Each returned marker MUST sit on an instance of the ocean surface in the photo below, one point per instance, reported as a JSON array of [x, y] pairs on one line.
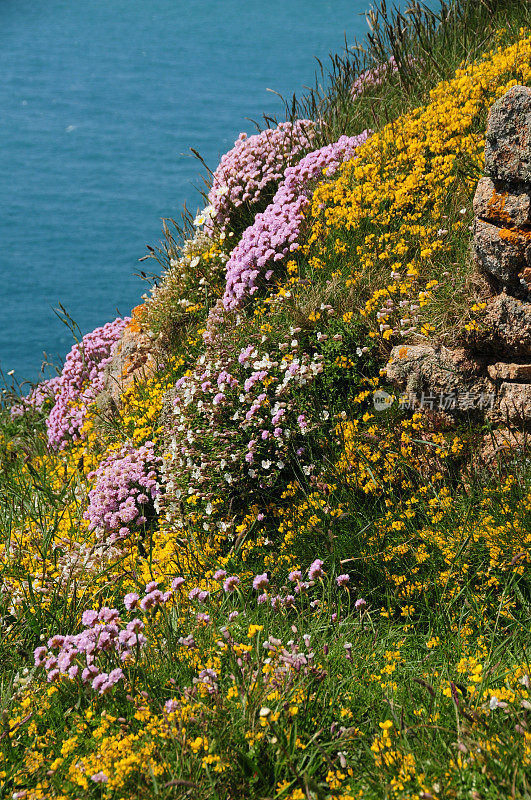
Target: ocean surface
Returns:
[[100, 102]]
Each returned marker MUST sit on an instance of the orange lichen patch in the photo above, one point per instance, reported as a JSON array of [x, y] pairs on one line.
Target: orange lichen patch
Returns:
[[496, 207], [516, 238], [137, 315]]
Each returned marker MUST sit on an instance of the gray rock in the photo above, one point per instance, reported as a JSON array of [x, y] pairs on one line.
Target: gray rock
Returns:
[[503, 203], [501, 445], [418, 369], [506, 329], [508, 139], [499, 252], [515, 402], [509, 372]]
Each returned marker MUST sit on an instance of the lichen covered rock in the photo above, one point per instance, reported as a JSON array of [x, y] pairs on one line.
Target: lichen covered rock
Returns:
[[508, 141]]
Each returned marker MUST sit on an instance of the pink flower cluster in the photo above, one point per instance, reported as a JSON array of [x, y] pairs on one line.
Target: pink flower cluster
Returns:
[[104, 639], [374, 77], [276, 232], [255, 164], [125, 490], [80, 656], [81, 380], [39, 395]]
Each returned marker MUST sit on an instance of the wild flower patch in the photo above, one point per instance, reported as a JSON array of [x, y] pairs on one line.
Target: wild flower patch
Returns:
[[247, 580], [276, 232], [396, 211]]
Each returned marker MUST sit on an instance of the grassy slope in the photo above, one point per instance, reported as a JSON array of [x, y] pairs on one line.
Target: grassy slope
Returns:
[[410, 681]]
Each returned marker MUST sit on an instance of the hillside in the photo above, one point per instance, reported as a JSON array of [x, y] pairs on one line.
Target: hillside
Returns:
[[270, 536]]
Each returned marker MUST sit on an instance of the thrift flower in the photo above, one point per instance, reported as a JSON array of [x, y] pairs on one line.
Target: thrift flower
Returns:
[[261, 582]]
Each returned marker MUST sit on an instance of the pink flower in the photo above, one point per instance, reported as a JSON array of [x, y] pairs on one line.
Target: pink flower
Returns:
[[260, 582], [131, 600], [316, 570], [39, 656], [99, 681], [342, 580], [89, 618], [231, 583]]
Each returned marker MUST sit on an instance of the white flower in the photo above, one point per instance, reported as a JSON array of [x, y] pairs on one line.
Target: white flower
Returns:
[[266, 464], [207, 213]]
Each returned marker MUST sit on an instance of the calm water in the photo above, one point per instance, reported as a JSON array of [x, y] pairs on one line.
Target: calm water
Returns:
[[100, 101]]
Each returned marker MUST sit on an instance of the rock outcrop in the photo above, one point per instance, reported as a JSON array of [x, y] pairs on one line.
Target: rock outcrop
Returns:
[[502, 203], [134, 359]]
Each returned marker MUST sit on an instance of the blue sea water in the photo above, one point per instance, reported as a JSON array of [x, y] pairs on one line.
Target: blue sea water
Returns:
[[100, 101]]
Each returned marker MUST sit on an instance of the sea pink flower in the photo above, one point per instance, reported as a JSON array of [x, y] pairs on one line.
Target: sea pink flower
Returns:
[[316, 570], [260, 581], [231, 583], [131, 600], [99, 777]]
